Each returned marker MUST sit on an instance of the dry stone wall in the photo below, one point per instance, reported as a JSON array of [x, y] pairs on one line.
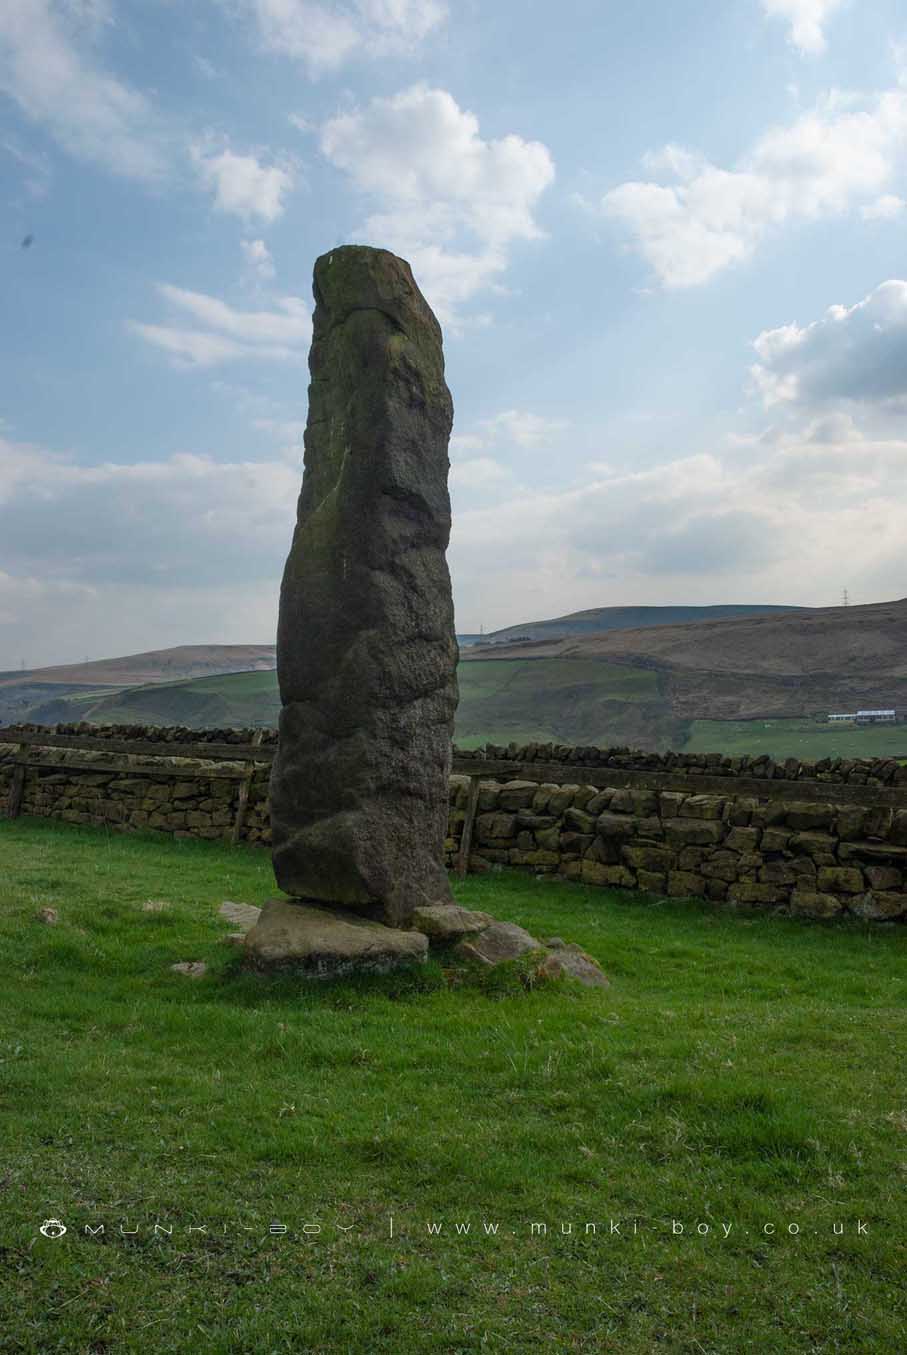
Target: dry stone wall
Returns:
[[824, 839], [183, 796], [820, 859]]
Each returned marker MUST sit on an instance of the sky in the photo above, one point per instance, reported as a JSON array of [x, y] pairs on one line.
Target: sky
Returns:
[[665, 243]]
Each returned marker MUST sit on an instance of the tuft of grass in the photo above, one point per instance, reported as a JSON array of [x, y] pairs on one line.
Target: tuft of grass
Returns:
[[741, 1069]]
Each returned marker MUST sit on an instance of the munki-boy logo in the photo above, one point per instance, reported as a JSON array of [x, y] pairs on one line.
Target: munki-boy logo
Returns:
[[444, 1228]]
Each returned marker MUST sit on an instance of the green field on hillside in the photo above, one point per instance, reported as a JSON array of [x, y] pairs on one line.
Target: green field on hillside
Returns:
[[548, 700], [741, 1072], [795, 738], [241, 700], [560, 701]]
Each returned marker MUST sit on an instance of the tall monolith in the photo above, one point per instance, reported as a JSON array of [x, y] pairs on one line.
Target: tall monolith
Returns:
[[366, 648]]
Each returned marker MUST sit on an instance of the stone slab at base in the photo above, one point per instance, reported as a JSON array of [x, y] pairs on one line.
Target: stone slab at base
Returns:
[[327, 943], [445, 923]]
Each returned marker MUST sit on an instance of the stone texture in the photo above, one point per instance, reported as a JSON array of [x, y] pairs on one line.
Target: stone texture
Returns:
[[243, 915], [366, 650], [501, 941], [570, 961], [879, 905], [841, 880], [594, 873], [326, 942], [445, 923], [694, 832], [746, 893], [813, 903], [50, 916], [192, 969], [685, 884]]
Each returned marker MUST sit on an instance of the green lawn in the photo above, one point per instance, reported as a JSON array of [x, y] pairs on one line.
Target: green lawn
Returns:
[[795, 738], [741, 1070]]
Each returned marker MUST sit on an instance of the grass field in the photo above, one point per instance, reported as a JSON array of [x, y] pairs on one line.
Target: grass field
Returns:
[[243, 700], [795, 738], [560, 701], [741, 1072]]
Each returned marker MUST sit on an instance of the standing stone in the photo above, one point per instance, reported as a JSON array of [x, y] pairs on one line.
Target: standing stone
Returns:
[[366, 649]]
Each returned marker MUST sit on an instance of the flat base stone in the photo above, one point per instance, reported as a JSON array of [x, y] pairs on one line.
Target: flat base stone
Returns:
[[444, 923], [327, 943]]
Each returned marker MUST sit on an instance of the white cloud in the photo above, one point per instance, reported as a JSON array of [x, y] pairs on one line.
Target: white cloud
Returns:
[[35, 167], [854, 355], [825, 162], [524, 428], [479, 472], [46, 70], [323, 36], [807, 19], [230, 334], [206, 67], [513, 428], [885, 208], [114, 558], [291, 324], [171, 520], [258, 259], [242, 185], [452, 203], [759, 523]]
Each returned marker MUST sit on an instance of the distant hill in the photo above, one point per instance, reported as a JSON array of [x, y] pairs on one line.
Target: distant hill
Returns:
[[754, 682], [795, 664], [157, 665], [597, 620], [228, 700]]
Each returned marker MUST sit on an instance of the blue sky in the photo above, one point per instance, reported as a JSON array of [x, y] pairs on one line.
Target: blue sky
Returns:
[[665, 242]]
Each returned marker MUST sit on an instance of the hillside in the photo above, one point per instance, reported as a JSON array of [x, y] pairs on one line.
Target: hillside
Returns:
[[228, 700], [157, 665], [597, 620], [794, 664], [750, 683]]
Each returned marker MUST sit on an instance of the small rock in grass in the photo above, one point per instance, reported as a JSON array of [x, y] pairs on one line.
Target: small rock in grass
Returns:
[[193, 969], [498, 942], [240, 914], [570, 961], [155, 906], [48, 915], [448, 922]]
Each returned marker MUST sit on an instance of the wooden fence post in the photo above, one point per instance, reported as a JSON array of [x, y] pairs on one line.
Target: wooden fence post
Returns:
[[244, 789], [17, 785], [466, 837]]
